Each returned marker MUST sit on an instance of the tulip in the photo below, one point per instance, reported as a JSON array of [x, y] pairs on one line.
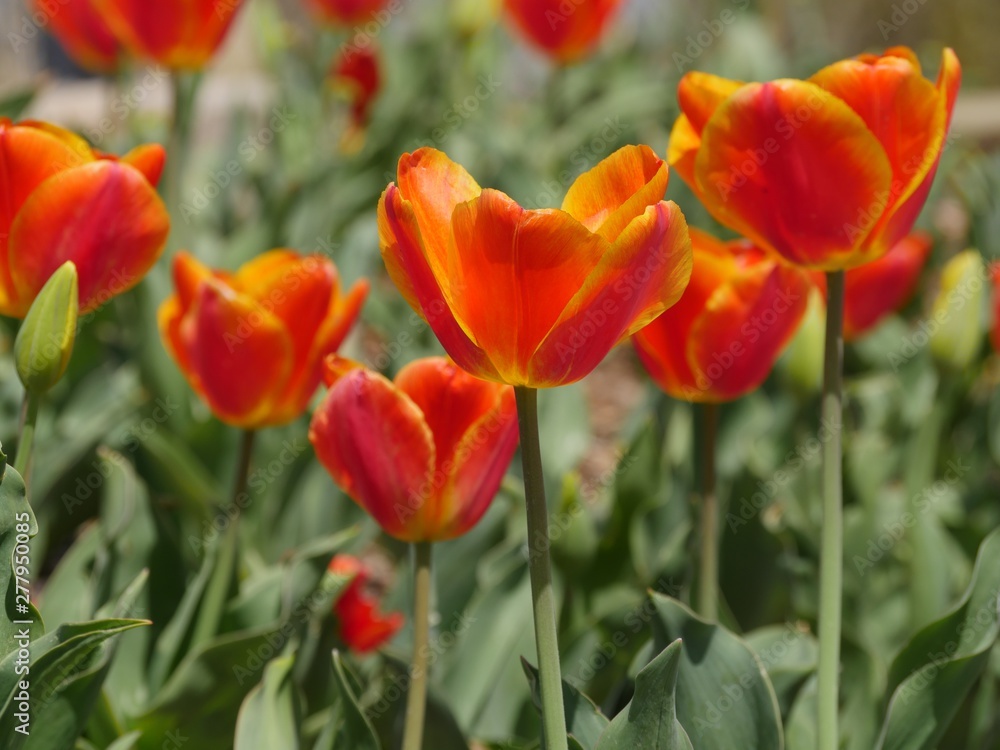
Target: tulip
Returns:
[[830, 173], [60, 200], [721, 339], [565, 30], [956, 322], [82, 32], [362, 626], [357, 73], [424, 454], [534, 298], [346, 12], [178, 35], [251, 343]]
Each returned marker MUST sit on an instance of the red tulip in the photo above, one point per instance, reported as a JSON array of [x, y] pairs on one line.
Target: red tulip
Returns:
[[346, 12], [564, 29], [82, 32], [424, 455], [362, 626], [721, 339], [179, 34], [358, 73], [61, 200], [830, 173], [251, 343], [534, 298]]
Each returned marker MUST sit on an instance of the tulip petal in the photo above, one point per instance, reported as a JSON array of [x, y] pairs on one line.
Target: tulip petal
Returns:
[[525, 266], [876, 289], [682, 151], [103, 216], [643, 274], [757, 172], [149, 159], [403, 251], [375, 443], [189, 273], [606, 198], [700, 94], [240, 354]]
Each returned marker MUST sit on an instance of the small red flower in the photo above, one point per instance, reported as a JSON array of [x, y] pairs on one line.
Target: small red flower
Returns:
[[83, 33], [564, 29], [362, 626], [358, 74]]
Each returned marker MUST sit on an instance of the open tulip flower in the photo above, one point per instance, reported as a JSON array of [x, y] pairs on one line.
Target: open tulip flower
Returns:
[[879, 288], [251, 343], [361, 625], [831, 172], [721, 339], [180, 35], [424, 454], [61, 200], [564, 30], [83, 33], [346, 12], [534, 298]]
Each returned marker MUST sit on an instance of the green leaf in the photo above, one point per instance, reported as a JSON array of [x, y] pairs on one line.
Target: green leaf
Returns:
[[353, 729], [931, 676], [788, 654], [724, 697], [649, 721], [584, 720], [270, 715], [17, 526]]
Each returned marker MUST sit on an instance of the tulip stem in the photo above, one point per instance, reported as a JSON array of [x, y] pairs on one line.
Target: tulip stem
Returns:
[[185, 86], [542, 594], [708, 579], [831, 565], [416, 699], [26, 442]]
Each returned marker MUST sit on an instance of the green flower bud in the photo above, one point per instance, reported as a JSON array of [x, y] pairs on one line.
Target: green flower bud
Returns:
[[45, 342], [958, 311]]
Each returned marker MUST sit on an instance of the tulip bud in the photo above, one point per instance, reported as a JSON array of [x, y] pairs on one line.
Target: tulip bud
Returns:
[[45, 342], [803, 359], [957, 312], [469, 17]]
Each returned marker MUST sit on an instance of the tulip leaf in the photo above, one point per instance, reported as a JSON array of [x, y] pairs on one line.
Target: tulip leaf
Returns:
[[649, 721], [584, 720], [353, 729], [724, 696], [270, 715], [931, 676], [17, 526]]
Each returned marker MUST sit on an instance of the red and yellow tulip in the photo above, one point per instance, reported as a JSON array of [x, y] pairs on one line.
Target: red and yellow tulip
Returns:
[[61, 200], [829, 173], [564, 29], [82, 32], [720, 341], [251, 343], [534, 298], [361, 625], [424, 454], [180, 35], [346, 12]]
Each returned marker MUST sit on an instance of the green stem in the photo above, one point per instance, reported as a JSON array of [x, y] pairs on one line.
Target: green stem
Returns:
[[27, 438], [832, 550], [416, 699], [184, 89], [542, 594], [708, 578]]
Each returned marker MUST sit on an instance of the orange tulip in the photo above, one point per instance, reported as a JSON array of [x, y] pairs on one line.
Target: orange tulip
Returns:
[[180, 35], [564, 29], [357, 72], [879, 288], [251, 343], [61, 200], [721, 339], [424, 455], [346, 12], [831, 172], [82, 32], [534, 298], [362, 626]]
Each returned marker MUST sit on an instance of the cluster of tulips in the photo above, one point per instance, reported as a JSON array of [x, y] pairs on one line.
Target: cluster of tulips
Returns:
[[822, 178]]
